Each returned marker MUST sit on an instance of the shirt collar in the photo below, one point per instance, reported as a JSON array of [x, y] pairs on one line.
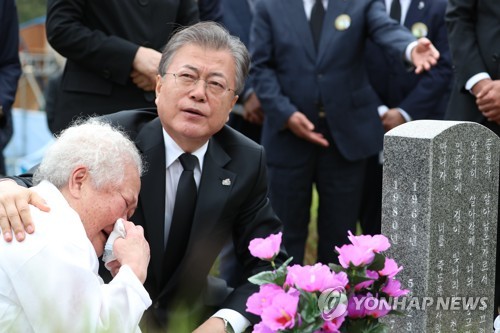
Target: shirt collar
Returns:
[[173, 151]]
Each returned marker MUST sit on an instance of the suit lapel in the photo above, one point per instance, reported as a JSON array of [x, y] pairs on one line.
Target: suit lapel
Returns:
[[215, 187], [294, 12], [150, 142], [334, 10]]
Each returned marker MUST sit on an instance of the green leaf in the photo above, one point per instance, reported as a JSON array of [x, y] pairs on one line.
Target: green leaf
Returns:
[[378, 263], [263, 278], [336, 268]]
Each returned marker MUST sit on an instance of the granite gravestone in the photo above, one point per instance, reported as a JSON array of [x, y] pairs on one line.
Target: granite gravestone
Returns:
[[439, 211]]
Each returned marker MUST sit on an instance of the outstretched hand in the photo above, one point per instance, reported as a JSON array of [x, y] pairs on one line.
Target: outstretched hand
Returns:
[[304, 128], [424, 55], [14, 209]]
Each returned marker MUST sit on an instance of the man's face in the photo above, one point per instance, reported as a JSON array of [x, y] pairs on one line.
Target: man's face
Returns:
[[101, 208], [191, 114]]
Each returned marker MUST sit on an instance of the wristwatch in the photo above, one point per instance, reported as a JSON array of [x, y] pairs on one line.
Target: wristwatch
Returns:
[[227, 326]]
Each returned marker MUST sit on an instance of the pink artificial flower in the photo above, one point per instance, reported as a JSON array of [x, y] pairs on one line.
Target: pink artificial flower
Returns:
[[377, 243], [376, 307], [355, 306], [333, 326], [281, 314], [315, 278], [393, 288], [372, 275], [390, 268], [266, 248], [261, 328], [263, 298], [355, 255]]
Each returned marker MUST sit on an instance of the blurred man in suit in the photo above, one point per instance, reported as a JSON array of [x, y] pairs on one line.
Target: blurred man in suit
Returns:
[[321, 120], [404, 95], [474, 36], [10, 71], [113, 49]]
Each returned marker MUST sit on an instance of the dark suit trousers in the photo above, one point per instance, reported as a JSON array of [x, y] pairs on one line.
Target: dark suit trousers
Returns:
[[339, 184]]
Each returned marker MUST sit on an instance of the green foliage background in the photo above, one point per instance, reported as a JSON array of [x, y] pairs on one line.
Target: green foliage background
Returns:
[[30, 9]]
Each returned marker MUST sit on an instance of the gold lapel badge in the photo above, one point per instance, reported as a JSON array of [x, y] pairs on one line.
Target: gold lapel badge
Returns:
[[226, 182], [342, 22], [419, 30]]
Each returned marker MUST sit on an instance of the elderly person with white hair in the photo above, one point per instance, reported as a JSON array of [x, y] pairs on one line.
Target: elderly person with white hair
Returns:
[[90, 177]]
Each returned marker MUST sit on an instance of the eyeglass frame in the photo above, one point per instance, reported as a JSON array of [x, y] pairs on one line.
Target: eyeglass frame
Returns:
[[225, 89]]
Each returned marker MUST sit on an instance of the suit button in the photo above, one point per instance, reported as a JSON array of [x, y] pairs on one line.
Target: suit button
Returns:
[[143, 2], [494, 57], [156, 305]]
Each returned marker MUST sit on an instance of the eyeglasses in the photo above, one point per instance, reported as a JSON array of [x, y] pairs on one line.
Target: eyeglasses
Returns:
[[215, 86]]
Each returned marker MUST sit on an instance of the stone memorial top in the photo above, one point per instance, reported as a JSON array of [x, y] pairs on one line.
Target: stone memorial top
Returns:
[[439, 211]]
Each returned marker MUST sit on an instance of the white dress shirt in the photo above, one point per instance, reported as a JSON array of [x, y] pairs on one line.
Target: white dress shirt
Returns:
[[49, 283], [309, 4]]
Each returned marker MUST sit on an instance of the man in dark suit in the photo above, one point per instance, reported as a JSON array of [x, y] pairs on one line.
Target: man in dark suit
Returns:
[[112, 49], [10, 70], [247, 116], [474, 36], [321, 120], [404, 95], [201, 71]]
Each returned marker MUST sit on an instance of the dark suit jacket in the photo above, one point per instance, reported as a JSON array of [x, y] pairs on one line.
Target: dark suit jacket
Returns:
[[100, 40], [289, 75], [425, 95], [210, 10], [10, 69], [241, 208], [474, 37]]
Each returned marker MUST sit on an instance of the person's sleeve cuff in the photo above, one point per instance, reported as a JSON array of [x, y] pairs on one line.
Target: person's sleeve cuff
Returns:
[[405, 114], [410, 48], [236, 319], [475, 79]]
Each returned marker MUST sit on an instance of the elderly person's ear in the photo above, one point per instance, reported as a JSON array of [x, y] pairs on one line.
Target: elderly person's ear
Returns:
[[78, 177]]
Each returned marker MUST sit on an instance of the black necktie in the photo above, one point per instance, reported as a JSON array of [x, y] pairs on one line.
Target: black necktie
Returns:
[[316, 21], [396, 10], [182, 217]]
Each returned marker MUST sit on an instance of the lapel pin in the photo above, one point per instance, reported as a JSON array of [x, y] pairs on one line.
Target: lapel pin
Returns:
[[421, 5], [226, 182], [419, 30], [343, 22]]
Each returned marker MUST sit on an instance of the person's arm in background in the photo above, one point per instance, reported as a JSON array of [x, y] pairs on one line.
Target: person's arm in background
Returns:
[[10, 68], [111, 56], [432, 85]]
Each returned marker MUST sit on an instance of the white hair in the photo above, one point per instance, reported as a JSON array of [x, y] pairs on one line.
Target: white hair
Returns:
[[94, 144]]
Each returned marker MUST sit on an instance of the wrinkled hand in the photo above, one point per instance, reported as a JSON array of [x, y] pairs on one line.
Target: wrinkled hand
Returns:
[[424, 55], [303, 128], [252, 112], [391, 119], [211, 325], [488, 99], [133, 250], [145, 63], [14, 209]]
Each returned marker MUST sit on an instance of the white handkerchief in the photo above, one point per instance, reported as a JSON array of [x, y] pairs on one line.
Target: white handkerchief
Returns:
[[118, 231]]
